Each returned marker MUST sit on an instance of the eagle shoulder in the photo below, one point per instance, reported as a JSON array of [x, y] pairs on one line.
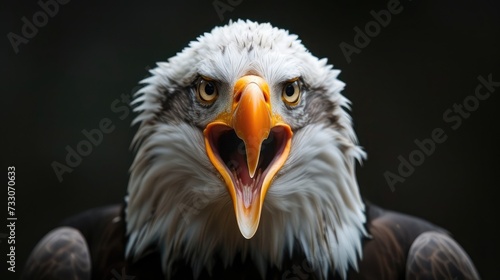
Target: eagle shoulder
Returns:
[[406, 247]]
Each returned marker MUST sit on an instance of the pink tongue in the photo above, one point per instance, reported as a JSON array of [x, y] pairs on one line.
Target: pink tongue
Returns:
[[245, 185]]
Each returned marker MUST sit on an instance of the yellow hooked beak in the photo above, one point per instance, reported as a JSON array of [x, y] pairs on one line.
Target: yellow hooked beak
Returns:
[[248, 144]]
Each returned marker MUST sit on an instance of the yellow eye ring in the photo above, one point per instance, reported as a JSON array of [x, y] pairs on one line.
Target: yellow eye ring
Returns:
[[291, 92], [207, 90]]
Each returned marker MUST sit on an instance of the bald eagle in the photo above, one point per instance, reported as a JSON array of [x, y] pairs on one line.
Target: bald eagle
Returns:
[[245, 169]]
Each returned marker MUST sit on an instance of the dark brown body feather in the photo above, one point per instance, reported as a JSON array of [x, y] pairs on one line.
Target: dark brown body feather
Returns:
[[400, 247]]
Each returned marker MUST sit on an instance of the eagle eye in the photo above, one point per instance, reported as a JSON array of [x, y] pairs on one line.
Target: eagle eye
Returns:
[[291, 92], [207, 90]]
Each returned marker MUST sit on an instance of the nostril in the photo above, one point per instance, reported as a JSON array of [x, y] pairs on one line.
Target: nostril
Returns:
[[266, 96], [237, 97]]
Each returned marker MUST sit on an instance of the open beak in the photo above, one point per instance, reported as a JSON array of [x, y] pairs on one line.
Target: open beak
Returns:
[[248, 145]]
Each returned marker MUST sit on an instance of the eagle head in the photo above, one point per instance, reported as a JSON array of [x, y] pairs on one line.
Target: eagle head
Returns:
[[245, 147]]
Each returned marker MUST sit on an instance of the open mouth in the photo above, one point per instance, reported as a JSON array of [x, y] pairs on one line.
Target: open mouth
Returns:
[[248, 143], [231, 153]]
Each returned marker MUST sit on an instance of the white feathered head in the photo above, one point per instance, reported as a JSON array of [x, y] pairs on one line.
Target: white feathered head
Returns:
[[245, 147]]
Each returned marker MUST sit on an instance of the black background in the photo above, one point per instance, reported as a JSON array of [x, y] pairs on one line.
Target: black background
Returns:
[[90, 53]]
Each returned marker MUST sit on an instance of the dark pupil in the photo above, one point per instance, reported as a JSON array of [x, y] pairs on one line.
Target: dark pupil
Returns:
[[289, 90], [209, 89]]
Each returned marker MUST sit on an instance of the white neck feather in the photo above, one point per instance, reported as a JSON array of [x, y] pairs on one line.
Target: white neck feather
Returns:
[[178, 203]]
